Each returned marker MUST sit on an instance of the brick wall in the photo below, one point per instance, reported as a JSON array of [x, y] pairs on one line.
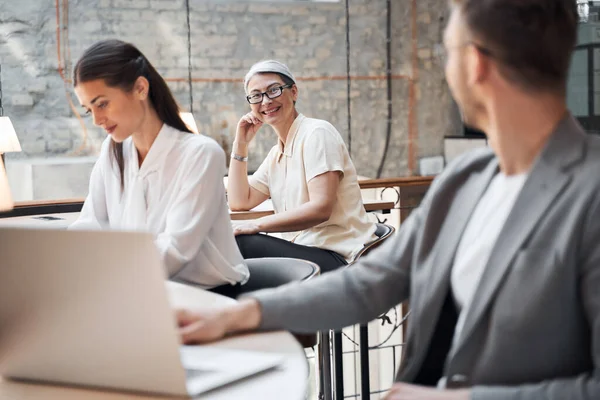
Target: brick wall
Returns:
[[227, 38]]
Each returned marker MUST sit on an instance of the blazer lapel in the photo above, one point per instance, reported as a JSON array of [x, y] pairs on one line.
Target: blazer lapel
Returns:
[[545, 182]]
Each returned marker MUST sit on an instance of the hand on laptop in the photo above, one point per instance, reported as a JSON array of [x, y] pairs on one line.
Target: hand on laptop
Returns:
[[210, 325]]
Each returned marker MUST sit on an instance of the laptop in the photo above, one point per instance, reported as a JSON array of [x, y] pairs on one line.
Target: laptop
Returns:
[[91, 308]]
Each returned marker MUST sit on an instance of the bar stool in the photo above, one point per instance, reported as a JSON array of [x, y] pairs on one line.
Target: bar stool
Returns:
[[271, 272], [382, 231]]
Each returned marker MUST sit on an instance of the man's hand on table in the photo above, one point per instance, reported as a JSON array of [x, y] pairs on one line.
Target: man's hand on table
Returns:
[[210, 325]]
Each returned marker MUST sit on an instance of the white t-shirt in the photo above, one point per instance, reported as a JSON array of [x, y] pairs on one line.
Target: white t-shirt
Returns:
[[479, 238], [178, 195], [314, 147]]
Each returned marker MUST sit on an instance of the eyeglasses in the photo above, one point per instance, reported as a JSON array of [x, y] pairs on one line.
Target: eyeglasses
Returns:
[[441, 53], [272, 93]]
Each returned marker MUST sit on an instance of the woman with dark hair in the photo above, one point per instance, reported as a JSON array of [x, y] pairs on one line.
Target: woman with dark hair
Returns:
[[308, 175], [153, 174]]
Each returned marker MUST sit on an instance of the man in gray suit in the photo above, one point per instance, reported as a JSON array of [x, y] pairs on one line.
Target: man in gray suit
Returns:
[[501, 261]]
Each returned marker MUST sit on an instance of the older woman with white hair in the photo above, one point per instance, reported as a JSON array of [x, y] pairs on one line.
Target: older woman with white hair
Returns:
[[308, 175]]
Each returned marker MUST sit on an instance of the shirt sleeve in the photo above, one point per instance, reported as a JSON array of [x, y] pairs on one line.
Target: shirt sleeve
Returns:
[[349, 296], [94, 214], [259, 180], [194, 209], [323, 152]]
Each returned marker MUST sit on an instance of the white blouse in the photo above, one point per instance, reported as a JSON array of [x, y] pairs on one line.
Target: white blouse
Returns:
[[314, 147], [178, 195]]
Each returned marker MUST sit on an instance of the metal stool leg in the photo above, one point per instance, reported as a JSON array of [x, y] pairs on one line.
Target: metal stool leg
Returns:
[[365, 384], [325, 392], [338, 366]]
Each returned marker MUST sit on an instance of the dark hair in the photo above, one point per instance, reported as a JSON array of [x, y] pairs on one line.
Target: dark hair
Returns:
[[286, 81], [532, 40], [120, 64]]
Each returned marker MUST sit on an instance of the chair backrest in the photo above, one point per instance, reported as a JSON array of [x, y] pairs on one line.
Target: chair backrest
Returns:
[[272, 272], [382, 231]]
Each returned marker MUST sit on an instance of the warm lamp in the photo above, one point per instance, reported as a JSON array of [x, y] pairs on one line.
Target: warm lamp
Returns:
[[8, 137], [188, 119], [6, 202]]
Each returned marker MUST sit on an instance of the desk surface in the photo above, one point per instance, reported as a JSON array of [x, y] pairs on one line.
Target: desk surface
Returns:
[[266, 208], [63, 220], [291, 378], [51, 221]]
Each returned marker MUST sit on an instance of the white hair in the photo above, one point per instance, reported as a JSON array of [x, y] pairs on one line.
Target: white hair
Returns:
[[267, 66]]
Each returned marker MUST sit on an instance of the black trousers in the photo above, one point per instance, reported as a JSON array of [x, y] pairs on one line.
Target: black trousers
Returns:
[[259, 245]]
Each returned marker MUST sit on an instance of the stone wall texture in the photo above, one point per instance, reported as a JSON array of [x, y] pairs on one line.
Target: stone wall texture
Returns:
[[39, 39]]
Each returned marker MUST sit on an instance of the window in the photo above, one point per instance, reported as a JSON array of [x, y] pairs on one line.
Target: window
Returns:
[[577, 88], [583, 87]]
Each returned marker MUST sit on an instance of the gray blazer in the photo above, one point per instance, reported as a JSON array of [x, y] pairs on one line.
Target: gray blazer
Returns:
[[533, 330]]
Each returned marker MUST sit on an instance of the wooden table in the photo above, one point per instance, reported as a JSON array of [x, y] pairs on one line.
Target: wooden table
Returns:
[[62, 220], [266, 208], [290, 378]]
